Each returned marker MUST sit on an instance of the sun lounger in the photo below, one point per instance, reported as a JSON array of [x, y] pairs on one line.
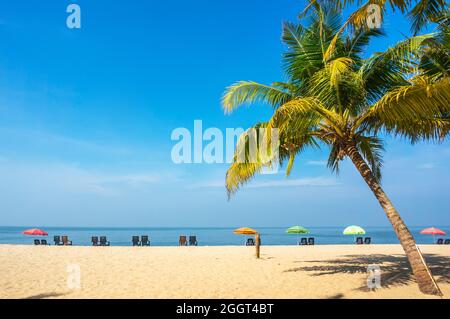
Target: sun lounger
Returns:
[[37, 242], [44, 242], [66, 241], [440, 241], [145, 241], [104, 241], [303, 242], [250, 242], [193, 241], [447, 242], [57, 240], [359, 241], [367, 240], [311, 241], [135, 240], [95, 241], [182, 241]]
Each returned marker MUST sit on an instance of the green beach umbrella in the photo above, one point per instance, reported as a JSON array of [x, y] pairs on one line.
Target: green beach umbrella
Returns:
[[297, 230]]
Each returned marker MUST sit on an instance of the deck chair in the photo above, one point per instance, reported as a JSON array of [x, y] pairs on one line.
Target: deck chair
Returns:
[[182, 241], [447, 242], [57, 240], [145, 241], [135, 240], [359, 241], [95, 241], [44, 242], [193, 241], [66, 241], [303, 241], [311, 241], [250, 242], [104, 241], [367, 240], [37, 242], [440, 241]]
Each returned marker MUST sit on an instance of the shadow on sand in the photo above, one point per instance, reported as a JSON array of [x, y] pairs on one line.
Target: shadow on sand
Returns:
[[395, 269], [46, 295]]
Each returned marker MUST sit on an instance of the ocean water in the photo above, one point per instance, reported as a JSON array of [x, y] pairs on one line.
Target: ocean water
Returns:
[[208, 236]]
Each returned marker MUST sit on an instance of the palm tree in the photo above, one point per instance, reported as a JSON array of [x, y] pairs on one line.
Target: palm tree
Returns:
[[349, 103]]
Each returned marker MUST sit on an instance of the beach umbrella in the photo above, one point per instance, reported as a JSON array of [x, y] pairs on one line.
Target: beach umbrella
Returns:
[[354, 230], [297, 230], [433, 231], [250, 231], [245, 231], [35, 232]]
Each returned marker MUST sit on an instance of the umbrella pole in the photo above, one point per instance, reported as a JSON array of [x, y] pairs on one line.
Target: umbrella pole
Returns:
[[257, 239]]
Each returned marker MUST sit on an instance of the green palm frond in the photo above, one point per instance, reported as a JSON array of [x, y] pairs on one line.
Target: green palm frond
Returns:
[[426, 11], [245, 165], [240, 173], [339, 86], [336, 156], [384, 71], [303, 113], [379, 75], [305, 55], [356, 43], [416, 111], [248, 92], [408, 49], [435, 61], [371, 148], [249, 159]]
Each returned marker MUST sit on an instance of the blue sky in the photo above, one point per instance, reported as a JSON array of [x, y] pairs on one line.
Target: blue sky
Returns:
[[86, 117]]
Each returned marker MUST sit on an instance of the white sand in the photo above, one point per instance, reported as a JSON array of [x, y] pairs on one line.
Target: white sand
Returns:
[[214, 272]]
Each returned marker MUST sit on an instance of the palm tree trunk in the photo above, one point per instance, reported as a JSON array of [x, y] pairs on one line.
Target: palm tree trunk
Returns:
[[425, 279]]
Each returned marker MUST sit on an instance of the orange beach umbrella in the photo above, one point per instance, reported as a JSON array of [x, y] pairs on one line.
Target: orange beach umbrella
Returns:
[[245, 231]]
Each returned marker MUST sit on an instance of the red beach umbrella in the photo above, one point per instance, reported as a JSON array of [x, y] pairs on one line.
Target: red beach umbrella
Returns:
[[35, 232], [433, 231]]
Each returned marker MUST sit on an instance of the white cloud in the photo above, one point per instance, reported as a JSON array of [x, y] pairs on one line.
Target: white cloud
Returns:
[[427, 166], [299, 182], [132, 179], [64, 178], [317, 163], [208, 184], [58, 141]]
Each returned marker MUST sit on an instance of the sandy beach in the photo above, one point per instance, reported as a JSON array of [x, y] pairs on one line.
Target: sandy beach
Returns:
[[214, 272]]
